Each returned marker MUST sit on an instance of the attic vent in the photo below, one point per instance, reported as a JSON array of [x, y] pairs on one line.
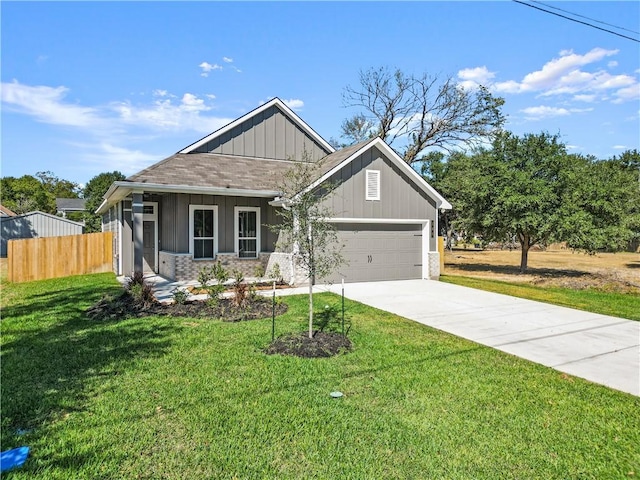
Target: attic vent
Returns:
[[373, 185]]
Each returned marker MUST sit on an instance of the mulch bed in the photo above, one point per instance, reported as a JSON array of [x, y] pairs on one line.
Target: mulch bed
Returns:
[[124, 306], [323, 344]]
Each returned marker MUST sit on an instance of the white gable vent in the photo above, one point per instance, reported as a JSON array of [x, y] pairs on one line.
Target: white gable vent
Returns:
[[373, 184]]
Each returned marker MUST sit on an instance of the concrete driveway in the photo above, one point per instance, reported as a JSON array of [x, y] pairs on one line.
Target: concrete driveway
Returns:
[[600, 348]]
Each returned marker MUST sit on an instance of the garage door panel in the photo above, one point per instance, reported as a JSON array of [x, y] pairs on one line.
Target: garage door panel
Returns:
[[379, 252]]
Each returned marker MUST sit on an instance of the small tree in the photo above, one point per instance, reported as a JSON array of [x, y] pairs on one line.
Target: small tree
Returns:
[[304, 229]]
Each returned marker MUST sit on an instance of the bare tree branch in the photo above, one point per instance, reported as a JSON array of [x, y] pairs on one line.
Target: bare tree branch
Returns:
[[421, 112]]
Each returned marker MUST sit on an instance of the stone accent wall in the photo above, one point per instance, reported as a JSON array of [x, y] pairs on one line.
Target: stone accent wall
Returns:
[[182, 266], [283, 260], [434, 265]]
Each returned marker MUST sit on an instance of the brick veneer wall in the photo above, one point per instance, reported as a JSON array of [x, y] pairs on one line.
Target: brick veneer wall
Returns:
[[182, 266]]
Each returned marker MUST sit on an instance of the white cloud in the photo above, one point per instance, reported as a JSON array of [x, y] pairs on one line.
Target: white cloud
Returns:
[[472, 78], [584, 98], [114, 157], [47, 105], [294, 103], [166, 114], [210, 96], [619, 147], [227, 59], [564, 75], [208, 67], [628, 94], [160, 93], [543, 111], [555, 70]]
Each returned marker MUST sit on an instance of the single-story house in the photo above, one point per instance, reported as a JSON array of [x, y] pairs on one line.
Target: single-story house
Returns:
[[70, 205], [213, 200], [36, 224]]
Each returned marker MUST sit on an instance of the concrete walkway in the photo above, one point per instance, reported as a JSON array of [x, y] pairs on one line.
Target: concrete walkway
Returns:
[[599, 348]]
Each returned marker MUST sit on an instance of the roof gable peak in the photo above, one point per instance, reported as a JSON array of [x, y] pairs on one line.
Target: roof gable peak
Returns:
[[274, 102]]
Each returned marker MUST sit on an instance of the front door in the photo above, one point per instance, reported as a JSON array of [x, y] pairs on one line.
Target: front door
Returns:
[[149, 245], [150, 237]]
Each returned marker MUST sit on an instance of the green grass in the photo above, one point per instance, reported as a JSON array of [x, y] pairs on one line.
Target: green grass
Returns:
[[185, 398], [623, 305]]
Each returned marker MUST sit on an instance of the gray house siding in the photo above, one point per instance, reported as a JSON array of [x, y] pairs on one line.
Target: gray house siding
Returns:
[[269, 134], [174, 220], [400, 198], [36, 224]]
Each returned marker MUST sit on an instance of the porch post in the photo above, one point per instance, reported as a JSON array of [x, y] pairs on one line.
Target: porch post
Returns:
[[136, 215]]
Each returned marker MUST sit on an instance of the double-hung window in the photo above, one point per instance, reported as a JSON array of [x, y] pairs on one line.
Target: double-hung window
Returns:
[[203, 230], [247, 231]]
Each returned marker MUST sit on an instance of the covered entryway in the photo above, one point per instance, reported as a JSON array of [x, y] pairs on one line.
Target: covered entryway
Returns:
[[375, 252]]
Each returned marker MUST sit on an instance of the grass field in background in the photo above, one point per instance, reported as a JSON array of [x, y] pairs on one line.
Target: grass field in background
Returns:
[[622, 305], [186, 398]]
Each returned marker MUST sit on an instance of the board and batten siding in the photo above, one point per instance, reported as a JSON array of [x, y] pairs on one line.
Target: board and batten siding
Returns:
[[400, 198], [269, 134], [174, 220], [35, 225]]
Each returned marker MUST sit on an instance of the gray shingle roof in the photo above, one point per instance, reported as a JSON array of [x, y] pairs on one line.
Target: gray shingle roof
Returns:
[[214, 170], [69, 204], [228, 171]]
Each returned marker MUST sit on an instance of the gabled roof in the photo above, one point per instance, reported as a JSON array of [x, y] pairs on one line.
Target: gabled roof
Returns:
[[334, 162], [216, 174], [271, 103]]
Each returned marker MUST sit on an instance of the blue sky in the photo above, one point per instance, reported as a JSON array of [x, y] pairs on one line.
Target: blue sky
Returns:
[[94, 87]]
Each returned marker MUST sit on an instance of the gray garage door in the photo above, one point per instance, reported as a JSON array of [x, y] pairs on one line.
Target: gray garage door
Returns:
[[379, 252]]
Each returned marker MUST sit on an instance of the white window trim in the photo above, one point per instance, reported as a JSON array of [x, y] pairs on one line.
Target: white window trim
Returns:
[[236, 228], [376, 176], [192, 208]]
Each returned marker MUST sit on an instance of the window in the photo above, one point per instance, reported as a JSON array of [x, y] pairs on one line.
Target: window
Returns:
[[148, 209], [373, 184], [203, 230], [247, 227]]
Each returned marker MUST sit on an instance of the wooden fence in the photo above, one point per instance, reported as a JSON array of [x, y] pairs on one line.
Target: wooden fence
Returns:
[[54, 257]]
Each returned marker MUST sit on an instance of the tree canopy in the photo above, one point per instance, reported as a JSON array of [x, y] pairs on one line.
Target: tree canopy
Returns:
[[28, 193], [93, 193], [414, 113], [531, 188]]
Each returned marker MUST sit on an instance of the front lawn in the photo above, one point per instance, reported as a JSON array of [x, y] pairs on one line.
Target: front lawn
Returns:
[[197, 398]]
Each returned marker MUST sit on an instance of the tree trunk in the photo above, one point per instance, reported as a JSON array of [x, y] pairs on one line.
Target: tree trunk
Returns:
[[312, 275], [524, 248], [310, 308]]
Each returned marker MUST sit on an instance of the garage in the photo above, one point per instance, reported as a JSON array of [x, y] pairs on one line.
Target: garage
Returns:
[[375, 252]]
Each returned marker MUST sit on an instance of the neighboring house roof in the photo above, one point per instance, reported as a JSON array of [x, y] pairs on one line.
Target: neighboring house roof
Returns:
[[37, 212], [5, 212], [70, 204], [274, 102]]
